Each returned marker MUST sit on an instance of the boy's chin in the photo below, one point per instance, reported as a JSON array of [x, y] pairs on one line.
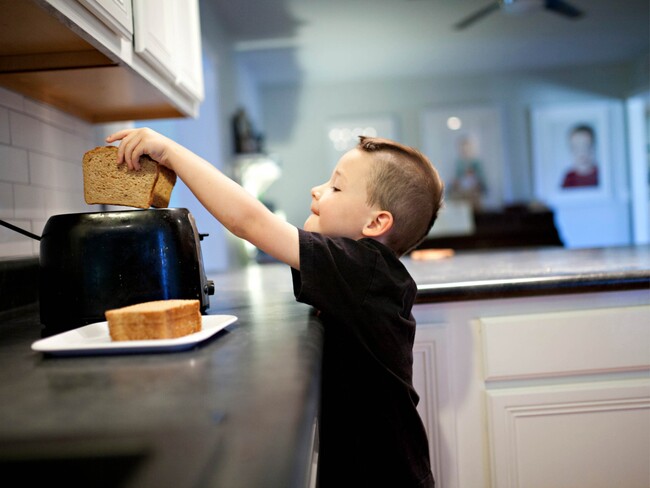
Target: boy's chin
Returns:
[[310, 224]]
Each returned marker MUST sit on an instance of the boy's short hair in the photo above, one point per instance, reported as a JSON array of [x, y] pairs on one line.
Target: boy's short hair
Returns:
[[405, 183]]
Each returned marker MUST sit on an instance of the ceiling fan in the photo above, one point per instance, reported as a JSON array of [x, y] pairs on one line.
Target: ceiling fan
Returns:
[[559, 7]]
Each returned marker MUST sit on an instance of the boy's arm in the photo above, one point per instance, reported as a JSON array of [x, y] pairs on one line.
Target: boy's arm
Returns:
[[241, 213]]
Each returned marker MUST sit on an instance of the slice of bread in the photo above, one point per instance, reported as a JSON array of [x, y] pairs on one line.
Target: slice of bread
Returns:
[[107, 183], [159, 319]]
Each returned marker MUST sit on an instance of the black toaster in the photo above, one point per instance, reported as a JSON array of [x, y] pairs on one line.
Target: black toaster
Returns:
[[93, 262]]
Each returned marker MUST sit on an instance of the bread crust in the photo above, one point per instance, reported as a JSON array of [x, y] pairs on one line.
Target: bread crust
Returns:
[[158, 319], [107, 183], [162, 191]]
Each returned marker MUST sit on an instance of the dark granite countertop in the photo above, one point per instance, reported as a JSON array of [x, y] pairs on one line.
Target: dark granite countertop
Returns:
[[236, 411], [475, 275]]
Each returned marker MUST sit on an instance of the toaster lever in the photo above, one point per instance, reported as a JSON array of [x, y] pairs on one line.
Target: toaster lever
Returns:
[[208, 289], [201, 236]]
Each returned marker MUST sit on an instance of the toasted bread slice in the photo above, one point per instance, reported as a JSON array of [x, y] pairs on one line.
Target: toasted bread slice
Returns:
[[162, 192], [159, 319], [107, 183]]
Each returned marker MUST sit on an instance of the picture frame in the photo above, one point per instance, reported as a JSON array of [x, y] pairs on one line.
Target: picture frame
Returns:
[[572, 150], [456, 138]]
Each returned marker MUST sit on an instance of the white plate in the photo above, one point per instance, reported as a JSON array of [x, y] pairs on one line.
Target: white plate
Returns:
[[94, 339]]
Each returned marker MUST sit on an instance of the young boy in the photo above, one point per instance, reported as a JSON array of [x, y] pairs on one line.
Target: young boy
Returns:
[[379, 203]]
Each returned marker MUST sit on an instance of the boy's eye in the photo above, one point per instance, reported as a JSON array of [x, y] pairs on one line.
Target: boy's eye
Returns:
[[335, 189]]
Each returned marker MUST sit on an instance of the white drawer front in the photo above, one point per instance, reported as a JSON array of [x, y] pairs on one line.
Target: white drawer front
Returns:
[[566, 343]]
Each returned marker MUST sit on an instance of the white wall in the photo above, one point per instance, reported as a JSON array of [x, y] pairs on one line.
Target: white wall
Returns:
[[41, 150], [295, 117], [638, 118]]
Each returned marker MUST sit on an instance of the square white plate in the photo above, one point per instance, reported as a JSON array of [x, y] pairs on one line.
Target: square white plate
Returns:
[[94, 339]]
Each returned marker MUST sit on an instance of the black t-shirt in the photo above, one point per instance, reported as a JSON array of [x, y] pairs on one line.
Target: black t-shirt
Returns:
[[370, 432]]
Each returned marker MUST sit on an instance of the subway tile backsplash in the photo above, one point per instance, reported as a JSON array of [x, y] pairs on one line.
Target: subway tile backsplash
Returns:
[[5, 137], [40, 168], [13, 164]]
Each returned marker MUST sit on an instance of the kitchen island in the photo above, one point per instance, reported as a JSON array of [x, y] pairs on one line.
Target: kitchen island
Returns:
[[240, 409], [533, 367]]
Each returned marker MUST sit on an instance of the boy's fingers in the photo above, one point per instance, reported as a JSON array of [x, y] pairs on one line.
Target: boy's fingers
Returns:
[[118, 135], [125, 149], [131, 147], [134, 147], [138, 150], [120, 154]]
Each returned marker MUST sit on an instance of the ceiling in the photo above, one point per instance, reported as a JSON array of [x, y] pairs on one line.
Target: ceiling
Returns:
[[335, 40]]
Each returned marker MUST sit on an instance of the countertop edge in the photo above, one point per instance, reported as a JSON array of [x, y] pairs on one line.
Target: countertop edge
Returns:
[[532, 286]]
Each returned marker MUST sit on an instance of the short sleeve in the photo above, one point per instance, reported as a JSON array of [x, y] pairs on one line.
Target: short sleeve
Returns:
[[335, 273]]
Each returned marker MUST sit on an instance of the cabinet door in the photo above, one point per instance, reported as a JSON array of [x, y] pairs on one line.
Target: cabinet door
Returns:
[[188, 48], [116, 14], [548, 423], [154, 34], [431, 382], [168, 36], [594, 434]]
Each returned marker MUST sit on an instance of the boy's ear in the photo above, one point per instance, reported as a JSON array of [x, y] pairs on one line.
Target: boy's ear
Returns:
[[379, 225]]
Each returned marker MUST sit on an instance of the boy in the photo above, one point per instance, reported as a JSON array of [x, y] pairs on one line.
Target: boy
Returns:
[[379, 203]]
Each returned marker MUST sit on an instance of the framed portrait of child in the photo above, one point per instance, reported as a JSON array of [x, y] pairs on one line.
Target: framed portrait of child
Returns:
[[574, 151]]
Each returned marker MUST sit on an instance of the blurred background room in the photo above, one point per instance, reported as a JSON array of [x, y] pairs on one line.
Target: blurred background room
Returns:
[[491, 92]]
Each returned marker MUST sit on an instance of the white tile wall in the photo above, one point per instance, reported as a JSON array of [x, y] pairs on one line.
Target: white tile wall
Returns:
[[40, 167], [6, 201], [4, 126]]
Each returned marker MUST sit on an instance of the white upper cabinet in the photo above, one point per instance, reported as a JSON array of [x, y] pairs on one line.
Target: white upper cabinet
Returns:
[[105, 60], [116, 14], [154, 34], [168, 35], [188, 61]]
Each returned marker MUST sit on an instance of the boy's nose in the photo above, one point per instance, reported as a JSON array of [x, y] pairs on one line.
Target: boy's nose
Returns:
[[315, 192]]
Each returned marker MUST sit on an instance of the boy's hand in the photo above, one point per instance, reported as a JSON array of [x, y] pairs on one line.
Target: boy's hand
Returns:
[[136, 142], [239, 211]]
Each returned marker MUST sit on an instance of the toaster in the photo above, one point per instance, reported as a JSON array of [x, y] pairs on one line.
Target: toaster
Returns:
[[93, 262]]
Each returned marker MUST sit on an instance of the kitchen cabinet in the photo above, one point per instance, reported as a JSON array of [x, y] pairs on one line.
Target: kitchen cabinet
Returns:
[[533, 367], [167, 35], [540, 391], [154, 40], [430, 380], [117, 14], [586, 424], [189, 62], [105, 60]]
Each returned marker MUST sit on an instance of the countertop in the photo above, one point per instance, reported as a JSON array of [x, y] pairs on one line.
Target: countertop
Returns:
[[473, 275], [237, 410]]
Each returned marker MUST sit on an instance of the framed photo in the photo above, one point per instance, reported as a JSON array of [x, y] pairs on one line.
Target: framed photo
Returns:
[[465, 144], [572, 152]]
